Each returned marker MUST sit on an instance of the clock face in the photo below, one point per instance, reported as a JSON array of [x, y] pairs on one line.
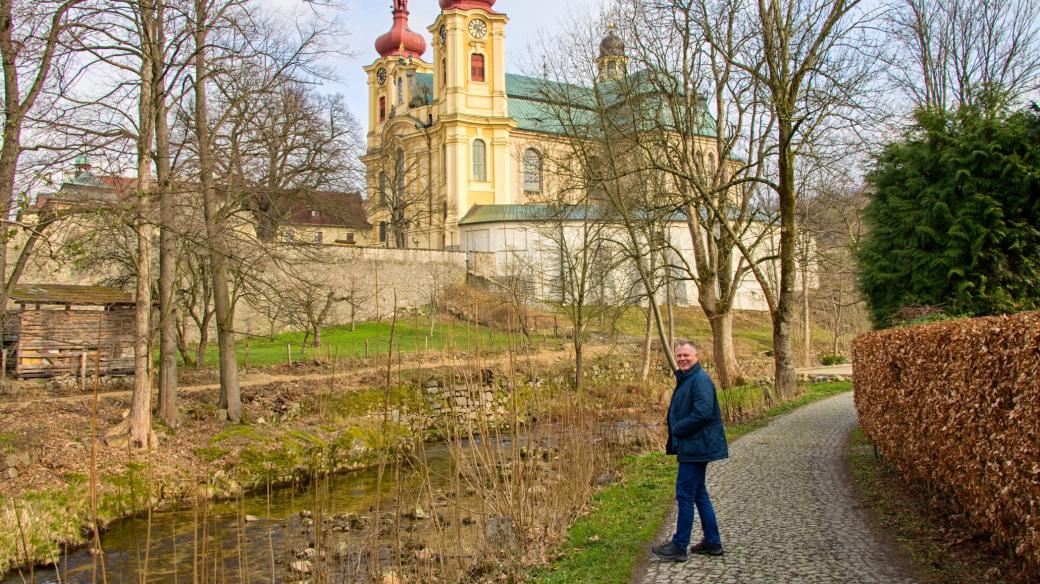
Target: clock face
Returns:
[[381, 76], [478, 29], [444, 34]]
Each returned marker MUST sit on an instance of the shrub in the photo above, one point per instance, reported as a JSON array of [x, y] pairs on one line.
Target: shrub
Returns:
[[956, 405], [954, 217], [833, 360]]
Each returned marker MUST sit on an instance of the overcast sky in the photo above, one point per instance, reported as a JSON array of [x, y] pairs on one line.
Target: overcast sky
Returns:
[[365, 20]]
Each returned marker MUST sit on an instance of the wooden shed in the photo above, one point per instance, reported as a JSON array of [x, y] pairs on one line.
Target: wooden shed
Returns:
[[61, 330]]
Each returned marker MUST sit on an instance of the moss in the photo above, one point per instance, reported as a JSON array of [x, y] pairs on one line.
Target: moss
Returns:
[[241, 432], [211, 453]]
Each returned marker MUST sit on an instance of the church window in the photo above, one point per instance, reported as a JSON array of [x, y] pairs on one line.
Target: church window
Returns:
[[382, 108], [479, 160], [400, 90], [382, 232], [612, 69], [476, 67], [532, 171], [444, 72], [318, 237], [711, 164], [399, 172], [382, 189]]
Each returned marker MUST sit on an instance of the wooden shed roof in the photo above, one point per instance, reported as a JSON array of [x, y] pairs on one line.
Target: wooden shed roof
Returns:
[[68, 294]]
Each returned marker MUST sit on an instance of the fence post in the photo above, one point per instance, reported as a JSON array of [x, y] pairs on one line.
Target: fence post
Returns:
[[288, 353], [83, 371]]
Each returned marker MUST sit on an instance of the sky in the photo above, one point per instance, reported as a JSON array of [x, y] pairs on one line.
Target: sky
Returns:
[[365, 20]]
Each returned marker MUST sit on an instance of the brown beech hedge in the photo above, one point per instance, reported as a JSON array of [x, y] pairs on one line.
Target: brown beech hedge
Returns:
[[957, 405]]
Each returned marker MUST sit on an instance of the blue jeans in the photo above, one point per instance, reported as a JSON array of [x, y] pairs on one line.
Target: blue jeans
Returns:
[[689, 491]]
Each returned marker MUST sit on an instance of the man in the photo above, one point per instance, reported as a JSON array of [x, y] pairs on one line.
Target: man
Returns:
[[696, 437]]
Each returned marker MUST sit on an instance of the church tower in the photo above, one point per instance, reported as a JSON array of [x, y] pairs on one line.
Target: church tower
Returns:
[[470, 94], [612, 63]]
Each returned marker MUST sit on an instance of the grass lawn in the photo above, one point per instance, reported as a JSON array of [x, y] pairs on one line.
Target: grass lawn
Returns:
[[605, 546], [343, 343]]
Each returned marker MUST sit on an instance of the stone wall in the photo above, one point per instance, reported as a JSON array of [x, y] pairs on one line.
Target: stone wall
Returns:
[[374, 275]]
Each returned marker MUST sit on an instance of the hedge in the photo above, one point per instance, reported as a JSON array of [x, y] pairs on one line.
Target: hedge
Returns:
[[957, 404]]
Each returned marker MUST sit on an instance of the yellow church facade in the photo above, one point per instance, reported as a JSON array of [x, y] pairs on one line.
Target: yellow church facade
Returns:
[[451, 132]]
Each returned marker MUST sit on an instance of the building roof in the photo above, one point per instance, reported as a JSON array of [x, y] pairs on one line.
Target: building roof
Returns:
[[539, 212], [329, 208], [68, 294], [541, 105]]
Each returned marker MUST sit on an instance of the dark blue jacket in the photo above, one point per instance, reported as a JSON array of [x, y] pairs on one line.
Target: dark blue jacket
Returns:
[[695, 432]]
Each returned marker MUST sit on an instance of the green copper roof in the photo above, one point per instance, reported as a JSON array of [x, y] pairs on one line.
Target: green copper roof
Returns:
[[540, 212]]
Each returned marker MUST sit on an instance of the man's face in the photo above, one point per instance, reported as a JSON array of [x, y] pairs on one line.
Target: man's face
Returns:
[[685, 357]]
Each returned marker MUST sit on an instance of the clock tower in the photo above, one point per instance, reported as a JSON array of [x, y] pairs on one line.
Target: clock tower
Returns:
[[470, 94]]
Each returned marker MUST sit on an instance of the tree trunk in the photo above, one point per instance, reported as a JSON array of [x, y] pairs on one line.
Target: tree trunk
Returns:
[[726, 367], [579, 363], [647, 343], [806, 324], [230, 396], [182, 345], [167, 407], [140, 421], [783, 355]]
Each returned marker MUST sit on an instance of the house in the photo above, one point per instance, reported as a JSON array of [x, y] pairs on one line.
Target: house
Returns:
[[327, 218]]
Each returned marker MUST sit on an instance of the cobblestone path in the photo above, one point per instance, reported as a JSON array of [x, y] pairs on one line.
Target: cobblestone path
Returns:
[[786, 510]]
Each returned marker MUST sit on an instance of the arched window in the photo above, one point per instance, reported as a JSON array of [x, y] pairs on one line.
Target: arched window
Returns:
[[479, 160], [476, 67], [400, 90], [382, 108], [399, 172], [444, 73], [532, 171], [382, 189], [711, 164]]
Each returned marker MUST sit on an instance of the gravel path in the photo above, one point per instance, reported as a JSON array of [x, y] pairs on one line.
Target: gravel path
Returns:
[[787, 511]]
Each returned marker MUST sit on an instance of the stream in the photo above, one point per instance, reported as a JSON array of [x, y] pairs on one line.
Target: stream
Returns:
[[259, 538]]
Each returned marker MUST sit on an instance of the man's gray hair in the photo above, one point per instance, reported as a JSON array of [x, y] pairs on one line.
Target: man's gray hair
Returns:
[[687, 342]]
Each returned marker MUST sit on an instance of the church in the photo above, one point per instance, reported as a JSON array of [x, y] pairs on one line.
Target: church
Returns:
[[454, 131], [458, 150]]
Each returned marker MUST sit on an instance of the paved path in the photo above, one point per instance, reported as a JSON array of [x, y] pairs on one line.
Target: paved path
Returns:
[[787, 511]]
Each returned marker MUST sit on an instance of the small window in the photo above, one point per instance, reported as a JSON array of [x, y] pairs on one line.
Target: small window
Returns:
[[318, 237], [314, 213], [532, 171], [382, 108], [350, 238], [400, 90], [382, 232], [476, 67], [711, 164], [479, 161], [444, 73], [290, 237]]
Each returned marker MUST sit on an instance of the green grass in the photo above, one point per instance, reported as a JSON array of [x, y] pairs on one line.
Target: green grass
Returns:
[[605, 546], [342, 343]]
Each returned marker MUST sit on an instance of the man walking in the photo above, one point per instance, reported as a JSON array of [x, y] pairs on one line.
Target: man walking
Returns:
[[696, 437]]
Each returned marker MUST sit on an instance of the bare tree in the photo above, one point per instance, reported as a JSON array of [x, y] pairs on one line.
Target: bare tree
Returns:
[[403, 188], [950, 52]]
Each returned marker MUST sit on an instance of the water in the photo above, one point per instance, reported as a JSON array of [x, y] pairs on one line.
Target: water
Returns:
[[215, 544]]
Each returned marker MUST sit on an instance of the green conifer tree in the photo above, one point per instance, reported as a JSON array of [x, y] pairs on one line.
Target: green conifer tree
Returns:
[[955, 216]]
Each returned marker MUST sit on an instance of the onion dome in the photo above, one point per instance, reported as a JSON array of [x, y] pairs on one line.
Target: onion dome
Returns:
[[484, 5], [611, 45], [401, 40]]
